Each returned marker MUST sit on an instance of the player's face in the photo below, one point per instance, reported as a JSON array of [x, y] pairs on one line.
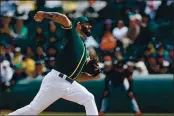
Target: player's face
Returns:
[[86, 29], [87, 26]]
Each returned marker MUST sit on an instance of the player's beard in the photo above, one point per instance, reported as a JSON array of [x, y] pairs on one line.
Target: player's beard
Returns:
[[85, 31]]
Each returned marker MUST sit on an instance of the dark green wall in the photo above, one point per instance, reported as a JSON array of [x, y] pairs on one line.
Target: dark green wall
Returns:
[[154, 93]]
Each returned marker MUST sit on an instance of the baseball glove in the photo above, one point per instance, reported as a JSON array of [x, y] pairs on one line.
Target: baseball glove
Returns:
[[92, 68]]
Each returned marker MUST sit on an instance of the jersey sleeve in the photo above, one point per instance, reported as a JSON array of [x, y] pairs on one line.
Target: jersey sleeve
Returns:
[[70, 33]]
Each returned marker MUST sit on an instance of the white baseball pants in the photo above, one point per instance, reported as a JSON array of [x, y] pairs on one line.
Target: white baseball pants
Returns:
[[52, 88]]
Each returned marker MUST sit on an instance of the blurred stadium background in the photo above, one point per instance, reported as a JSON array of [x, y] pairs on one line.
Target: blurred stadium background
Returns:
[[139, 33]]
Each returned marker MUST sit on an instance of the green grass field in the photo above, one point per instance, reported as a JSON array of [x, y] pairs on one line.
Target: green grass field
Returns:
[[4, 112]]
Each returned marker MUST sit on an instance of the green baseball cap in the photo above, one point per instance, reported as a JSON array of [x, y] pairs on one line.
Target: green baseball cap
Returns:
[[81, 20]]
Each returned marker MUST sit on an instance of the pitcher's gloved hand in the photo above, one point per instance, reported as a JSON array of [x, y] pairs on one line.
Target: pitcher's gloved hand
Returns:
[[92, 67]]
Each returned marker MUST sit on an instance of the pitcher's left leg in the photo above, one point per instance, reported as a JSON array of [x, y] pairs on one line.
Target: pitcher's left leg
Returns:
[[79, 94]]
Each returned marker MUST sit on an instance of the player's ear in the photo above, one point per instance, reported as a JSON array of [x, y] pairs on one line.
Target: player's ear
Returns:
[[78, 26]]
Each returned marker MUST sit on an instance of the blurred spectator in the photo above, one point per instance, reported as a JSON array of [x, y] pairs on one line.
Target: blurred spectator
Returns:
[[40, 68], [8, 8], [3, 51], [147, 52], [50, 63], [171, 61], [145, 20], [138, 18], [151, 7], [53, 4], [118, 54], [162, 51], [1, 60], [54, 32], [108, 42], [40, 54], [140, 58], [152, 49], [104, 60], [163, 64], [125, 16], [54, 36], [17, 60], [90, 11], [28, 66], [140, 69], [29, 52], [155, 69], [107, 58], [6, 72], [107, 25], [5, 27], [148, 23], [120, 31], [25, 5], [152, 66], [18, 74], [165, 68], [10, 52], [23, 8], [51, 51], [171, 55], [19, 31], [107, 66], [144, 35], [133, 29], [40, 38], [52, 39], [77, 9]]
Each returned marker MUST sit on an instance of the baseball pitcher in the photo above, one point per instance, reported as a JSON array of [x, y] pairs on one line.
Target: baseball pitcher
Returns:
[[60, 82]]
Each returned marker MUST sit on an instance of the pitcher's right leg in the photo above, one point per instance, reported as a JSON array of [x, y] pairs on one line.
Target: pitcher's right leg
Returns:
[[45, 97]]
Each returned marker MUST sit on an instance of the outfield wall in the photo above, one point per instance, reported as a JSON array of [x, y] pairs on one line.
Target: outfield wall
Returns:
[[154, 93]]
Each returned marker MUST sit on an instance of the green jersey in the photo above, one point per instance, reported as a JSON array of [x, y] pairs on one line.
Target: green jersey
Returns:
[[73, 56]]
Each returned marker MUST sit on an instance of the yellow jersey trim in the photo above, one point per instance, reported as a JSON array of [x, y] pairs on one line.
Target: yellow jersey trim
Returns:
[[79, 71], [78, 63]]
